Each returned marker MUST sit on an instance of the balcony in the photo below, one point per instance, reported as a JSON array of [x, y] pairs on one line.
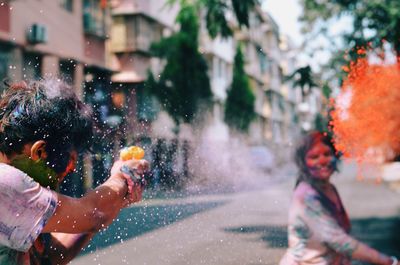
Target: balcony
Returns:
[[92, 25], [135, 33]]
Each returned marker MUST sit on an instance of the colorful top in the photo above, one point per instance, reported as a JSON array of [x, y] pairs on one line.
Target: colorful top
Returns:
[[25, 208], [318, 229]]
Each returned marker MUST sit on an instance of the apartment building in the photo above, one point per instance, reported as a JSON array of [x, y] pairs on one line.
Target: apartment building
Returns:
[[35, 41], [102, 48], [291, 94], [268, 59], [219, 54], [262, 52], [39, 43], [136, 24], [62, 39], [52, 38]]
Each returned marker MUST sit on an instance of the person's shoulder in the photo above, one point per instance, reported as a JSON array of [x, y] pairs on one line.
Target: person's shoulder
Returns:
[[8, 170], [305, 191], [11, 176]]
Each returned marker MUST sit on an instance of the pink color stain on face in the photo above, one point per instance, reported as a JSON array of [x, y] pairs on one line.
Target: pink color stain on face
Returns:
[[319, 161]]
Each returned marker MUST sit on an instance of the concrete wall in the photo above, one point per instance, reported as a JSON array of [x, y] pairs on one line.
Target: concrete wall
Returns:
[[153, 8], [65, 32], [94, 50], [4, 17]]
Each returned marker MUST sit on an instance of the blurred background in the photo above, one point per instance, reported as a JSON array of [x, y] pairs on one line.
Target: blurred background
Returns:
[[114, 54]]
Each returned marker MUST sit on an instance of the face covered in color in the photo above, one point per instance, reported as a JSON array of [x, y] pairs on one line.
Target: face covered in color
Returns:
[[320, 161]]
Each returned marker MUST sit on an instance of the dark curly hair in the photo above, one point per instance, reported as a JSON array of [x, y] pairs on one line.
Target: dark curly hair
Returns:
[[45, 110], [305, 145]]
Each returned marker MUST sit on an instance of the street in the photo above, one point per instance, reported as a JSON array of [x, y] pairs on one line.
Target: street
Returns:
[[240, 228]]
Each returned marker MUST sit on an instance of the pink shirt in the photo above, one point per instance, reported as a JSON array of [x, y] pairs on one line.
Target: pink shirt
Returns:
[[318, 230]]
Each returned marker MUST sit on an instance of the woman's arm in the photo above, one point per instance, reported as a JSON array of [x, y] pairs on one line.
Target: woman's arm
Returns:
[[368, 254], [325, 228]]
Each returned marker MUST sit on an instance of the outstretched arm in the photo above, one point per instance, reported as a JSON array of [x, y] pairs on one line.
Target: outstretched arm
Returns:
[[90, 213], [97, 208], [368, 254], [326, 228]]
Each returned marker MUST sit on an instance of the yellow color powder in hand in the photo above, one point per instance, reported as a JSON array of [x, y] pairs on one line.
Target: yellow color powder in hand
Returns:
[[132, 152]]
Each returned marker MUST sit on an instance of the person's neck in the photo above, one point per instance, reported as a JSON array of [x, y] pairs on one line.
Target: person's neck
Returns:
[[4, 159], [321, 184]]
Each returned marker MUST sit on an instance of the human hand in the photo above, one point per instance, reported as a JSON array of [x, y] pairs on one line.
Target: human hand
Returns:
[[394, 260], [132, 171], [132, 166], [386, 260], [134, 194]]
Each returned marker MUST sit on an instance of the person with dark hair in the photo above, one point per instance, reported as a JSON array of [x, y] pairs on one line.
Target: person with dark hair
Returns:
[[43, 128], [319, 226]]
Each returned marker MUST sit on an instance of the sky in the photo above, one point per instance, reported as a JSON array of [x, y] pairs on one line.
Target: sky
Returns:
[[286, 13]]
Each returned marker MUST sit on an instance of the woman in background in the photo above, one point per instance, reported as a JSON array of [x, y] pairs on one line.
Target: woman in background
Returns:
[[319, 226]]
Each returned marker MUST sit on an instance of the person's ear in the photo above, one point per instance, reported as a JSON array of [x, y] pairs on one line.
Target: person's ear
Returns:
[[38, 150]]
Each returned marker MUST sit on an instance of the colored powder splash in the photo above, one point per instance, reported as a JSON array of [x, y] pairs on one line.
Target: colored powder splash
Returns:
[[366, 116]]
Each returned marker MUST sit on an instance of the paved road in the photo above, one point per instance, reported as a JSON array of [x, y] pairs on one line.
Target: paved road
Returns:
[[243, 228]]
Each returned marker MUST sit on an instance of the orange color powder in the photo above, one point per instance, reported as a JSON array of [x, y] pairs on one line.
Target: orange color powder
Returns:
[[366, 116]]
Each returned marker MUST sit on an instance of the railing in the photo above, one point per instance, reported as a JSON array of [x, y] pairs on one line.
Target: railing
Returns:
[[94, 26]]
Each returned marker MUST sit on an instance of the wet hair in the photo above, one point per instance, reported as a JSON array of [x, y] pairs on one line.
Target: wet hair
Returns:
[[304, 146], [46, 110]]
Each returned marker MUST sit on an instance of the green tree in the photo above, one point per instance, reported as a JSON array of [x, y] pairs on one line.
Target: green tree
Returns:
[[374, 22], [303, 78], [183, 85], [239, 106], [216, 11]]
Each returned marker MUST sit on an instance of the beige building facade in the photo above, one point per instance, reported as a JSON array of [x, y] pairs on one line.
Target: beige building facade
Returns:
[[63, 39], [49, 39], [138, 23], [268, 61], [103, 48]]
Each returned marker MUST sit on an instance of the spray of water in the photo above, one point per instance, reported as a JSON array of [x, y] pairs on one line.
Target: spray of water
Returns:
[[226, 164]]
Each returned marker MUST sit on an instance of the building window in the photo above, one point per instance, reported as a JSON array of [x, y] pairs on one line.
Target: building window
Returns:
[[67, 5], [147, 107], [5, 57], [144, 33], [277, 132], [262, 58], [32, 66], [94, 18], [67, 71], [118, 34], [220, 66]]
